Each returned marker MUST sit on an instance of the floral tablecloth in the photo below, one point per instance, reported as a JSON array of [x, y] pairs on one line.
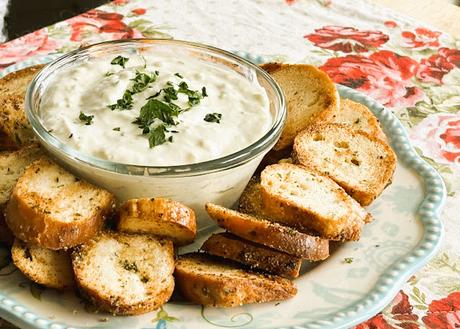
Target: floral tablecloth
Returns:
[[410, 68]]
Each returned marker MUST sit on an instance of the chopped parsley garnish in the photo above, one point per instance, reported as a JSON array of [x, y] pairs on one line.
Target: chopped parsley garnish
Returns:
[[71, 135], [141, 82], [108, 74], [155, 109], [213, 117], [348, 260], [87, 119], [158, 114], [124, 103], [119, 60], [194, 96], [157, 136]]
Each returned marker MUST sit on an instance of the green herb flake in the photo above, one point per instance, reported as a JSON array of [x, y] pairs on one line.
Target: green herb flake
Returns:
[[108, 74], [348, 260], [204, 92], [116, 129], [124, 103], [71, 135], [178, 75], [142, 80], [119, 60], [87, 119], [155, 109], [157, 136], [213, 117]]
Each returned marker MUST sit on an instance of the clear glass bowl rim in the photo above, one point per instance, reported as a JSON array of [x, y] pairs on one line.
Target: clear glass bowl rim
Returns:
[[223, 163]]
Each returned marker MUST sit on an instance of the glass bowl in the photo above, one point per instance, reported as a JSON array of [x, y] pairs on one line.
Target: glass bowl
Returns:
[[220, 180]]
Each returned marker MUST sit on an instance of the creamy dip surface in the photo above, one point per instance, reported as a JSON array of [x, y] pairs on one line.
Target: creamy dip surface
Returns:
[[76, 108]]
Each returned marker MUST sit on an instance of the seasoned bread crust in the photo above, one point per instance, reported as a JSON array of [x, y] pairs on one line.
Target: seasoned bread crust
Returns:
[[255, 256], [125, 274], [12, 166], [158, 216], [15, 130], [309, 92], [53, 209], [250, 201], [361, 164], [51, 268], [357, 116], [307, 200], [206, 280], [270, 234]]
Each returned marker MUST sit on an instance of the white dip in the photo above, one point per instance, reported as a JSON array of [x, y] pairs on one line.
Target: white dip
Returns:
[[90, 87]]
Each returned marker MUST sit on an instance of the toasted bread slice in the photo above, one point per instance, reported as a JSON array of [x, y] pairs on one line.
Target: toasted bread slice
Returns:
[[53, 209], [206, 280], [12, 166], [308, 200], [51, 268], [357, 116], [362, 164], [15, 130], [253, 255], [125, 274], [309, 92], [269, 234], [158, 216]]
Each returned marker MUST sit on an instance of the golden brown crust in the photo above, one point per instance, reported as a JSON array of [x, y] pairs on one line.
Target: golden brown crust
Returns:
[[290, 213], [51, 268], [255, 256], [363, 118], [15, 129], [225, 285], [385, 165], [270, 234], [250, 201], [158, 216], [114, 303], [309, 92], [29, 218]]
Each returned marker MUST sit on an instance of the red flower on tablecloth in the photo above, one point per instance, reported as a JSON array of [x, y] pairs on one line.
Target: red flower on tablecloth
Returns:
[[24, 47], [390, 24], [98, 21], [377, 322], [438, 135], [384, 75], [433, 68], [346, 39], [120, 2], [421, 39], [401, 313], [139, 11], [444, 313]]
